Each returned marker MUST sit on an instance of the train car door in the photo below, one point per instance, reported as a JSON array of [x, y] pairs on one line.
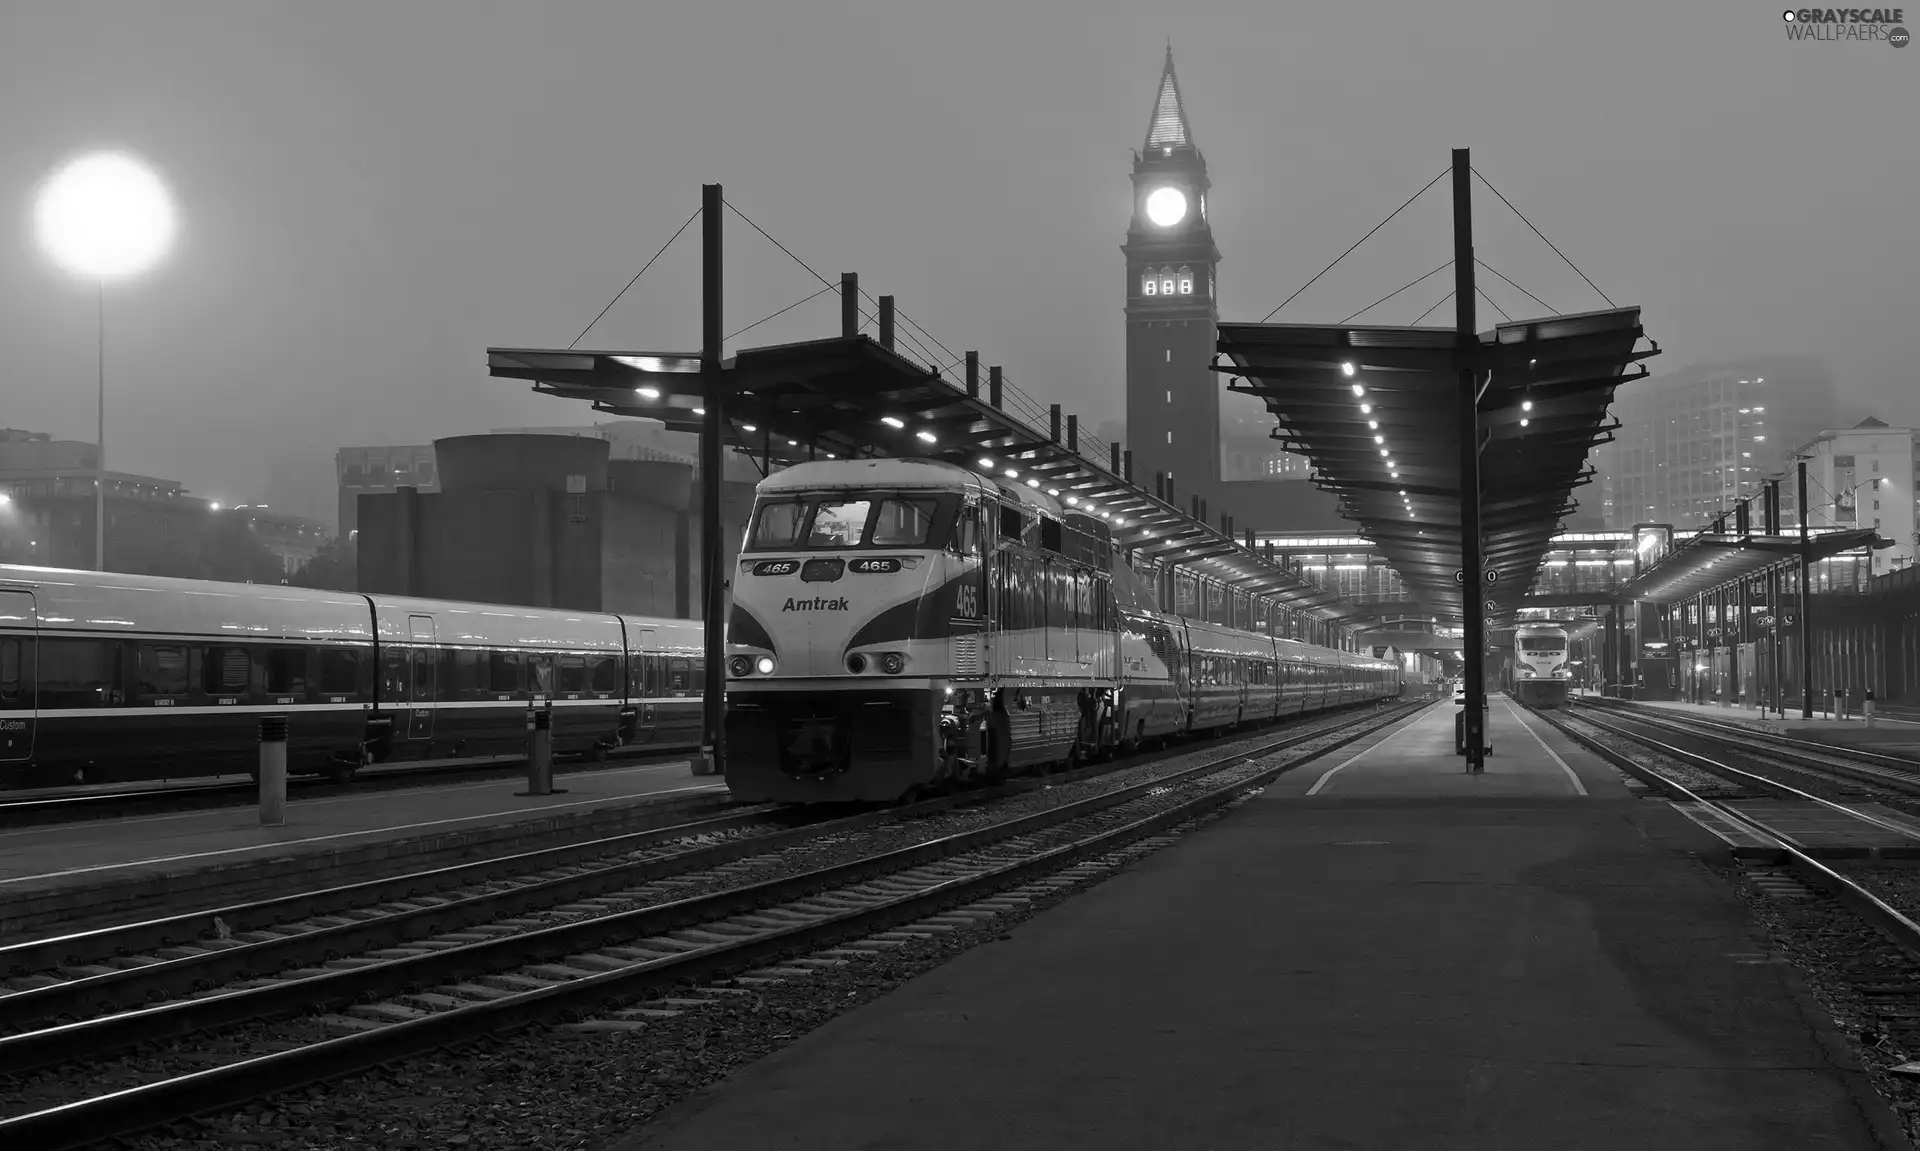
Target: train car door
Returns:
[[19, 663], [646, 681], [423, 665]]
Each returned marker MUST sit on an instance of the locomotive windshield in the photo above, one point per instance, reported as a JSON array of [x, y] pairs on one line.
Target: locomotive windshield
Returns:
[[845, 520], [1542, 643]]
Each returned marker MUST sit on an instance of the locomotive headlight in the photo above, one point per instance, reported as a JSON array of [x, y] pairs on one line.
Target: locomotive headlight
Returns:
[[893, 663], [764, 665], [740, 666]]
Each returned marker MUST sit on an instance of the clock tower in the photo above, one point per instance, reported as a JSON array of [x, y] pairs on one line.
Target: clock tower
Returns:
[[1173, 400]]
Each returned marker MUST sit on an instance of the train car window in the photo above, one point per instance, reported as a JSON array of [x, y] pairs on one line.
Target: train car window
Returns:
[[573, 673], [678, 681], [697, 673], [286, 670], [838, 523], [540, 677], [228, 670], [903, 523], [1050, 534], [503, 672], [10, 692], [1012, 523], [162, 669], [603, 674], [340, 670], [777, 524], [463, 673], [78, 672]]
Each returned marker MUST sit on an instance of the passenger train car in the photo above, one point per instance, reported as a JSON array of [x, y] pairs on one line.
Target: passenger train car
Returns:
[[1540, 671], [115, 677], [901, 623]]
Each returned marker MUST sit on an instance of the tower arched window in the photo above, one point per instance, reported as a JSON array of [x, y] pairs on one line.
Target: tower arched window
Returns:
[[1149, 284], [1186, 281], [1166, 281]]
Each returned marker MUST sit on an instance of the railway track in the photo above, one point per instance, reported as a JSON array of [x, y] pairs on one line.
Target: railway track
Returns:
[[543, 948], [1845, 774]]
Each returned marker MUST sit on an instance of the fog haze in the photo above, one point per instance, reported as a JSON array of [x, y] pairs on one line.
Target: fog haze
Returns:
[[372, 194]]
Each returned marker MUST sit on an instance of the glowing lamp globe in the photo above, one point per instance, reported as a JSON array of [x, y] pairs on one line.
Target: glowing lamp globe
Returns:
[[1167, 206], [104, 216]]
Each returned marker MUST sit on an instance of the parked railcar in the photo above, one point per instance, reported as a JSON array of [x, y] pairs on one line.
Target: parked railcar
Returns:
[[107, 677], [903, 623]]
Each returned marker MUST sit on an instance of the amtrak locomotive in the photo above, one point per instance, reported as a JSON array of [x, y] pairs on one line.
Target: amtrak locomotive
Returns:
[[1540, 671], [901, 623], [115, 677]]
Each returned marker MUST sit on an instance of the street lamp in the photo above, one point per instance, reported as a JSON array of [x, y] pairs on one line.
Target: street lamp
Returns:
[[105, 216]]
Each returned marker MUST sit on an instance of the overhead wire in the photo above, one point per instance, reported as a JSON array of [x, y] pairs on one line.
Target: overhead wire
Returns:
[[1392, 294], [636, 278], [781, 312], [1356, 244], [1429, 311], [1495, 304], [1518, 288], [1543, 237]]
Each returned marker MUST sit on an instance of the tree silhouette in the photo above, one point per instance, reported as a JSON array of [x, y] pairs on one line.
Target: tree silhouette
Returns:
[[232, 553], [333, 568]]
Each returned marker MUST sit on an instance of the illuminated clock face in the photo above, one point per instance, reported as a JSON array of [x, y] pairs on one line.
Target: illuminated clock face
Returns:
[[1166, 206]]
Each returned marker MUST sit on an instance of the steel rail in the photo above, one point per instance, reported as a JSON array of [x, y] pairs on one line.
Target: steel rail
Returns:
[[1903, 931], [1759, 782], [30, 1050], [1878, 759], [123, 1112]]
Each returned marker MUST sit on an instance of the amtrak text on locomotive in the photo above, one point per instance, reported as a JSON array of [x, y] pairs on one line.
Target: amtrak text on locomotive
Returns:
[[817, 603]]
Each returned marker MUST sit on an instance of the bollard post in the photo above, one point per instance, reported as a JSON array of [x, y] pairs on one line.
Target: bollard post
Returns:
[[1869, 713], [540, 752], [273, 770]]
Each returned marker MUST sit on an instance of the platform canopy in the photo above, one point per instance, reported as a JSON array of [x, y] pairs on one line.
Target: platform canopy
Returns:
[[852, 397], [1709, 560], [1376, 411]]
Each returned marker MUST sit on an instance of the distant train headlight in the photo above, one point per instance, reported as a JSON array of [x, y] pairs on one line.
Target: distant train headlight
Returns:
[[893, 663], [740, 666], [764, 665], [856, 663]]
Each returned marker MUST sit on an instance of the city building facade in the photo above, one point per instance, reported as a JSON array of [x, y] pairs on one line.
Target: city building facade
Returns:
[[1867, 476], [1693, 443], [381, 471]]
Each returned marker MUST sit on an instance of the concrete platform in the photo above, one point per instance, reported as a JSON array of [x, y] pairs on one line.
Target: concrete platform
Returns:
[[62, 873], [1394, 961]]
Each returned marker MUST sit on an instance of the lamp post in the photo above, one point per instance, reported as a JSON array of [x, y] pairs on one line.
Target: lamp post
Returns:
[[104, 216]]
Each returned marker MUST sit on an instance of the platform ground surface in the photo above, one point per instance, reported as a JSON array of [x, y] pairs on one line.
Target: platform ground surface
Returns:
[[95, 850], [1405, 959]]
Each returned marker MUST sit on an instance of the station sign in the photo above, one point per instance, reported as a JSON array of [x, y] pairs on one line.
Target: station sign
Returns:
[[1492, 576]]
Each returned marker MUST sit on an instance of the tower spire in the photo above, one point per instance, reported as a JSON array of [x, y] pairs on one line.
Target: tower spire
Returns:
[[1168, 128]]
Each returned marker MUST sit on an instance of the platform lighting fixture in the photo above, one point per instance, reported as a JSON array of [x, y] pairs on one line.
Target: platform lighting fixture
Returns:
[[986, 461], [1347, 368], [830, 455], [1012, 474], [647, 393], [1384, 452], [1053, 491], [748, 428], [1373, 424], [925, 435], [1032, 483], [1526, 405], [1366, 409], [893, 421], [1358, 390], [1072, 500], [1380, 440], [1523, 421], [793, 443]]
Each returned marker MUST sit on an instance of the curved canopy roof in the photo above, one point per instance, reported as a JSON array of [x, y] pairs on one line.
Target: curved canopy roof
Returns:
[[1376, 411]]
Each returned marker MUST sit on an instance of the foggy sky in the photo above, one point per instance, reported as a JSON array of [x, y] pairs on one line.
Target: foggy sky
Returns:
[[373, 193]]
